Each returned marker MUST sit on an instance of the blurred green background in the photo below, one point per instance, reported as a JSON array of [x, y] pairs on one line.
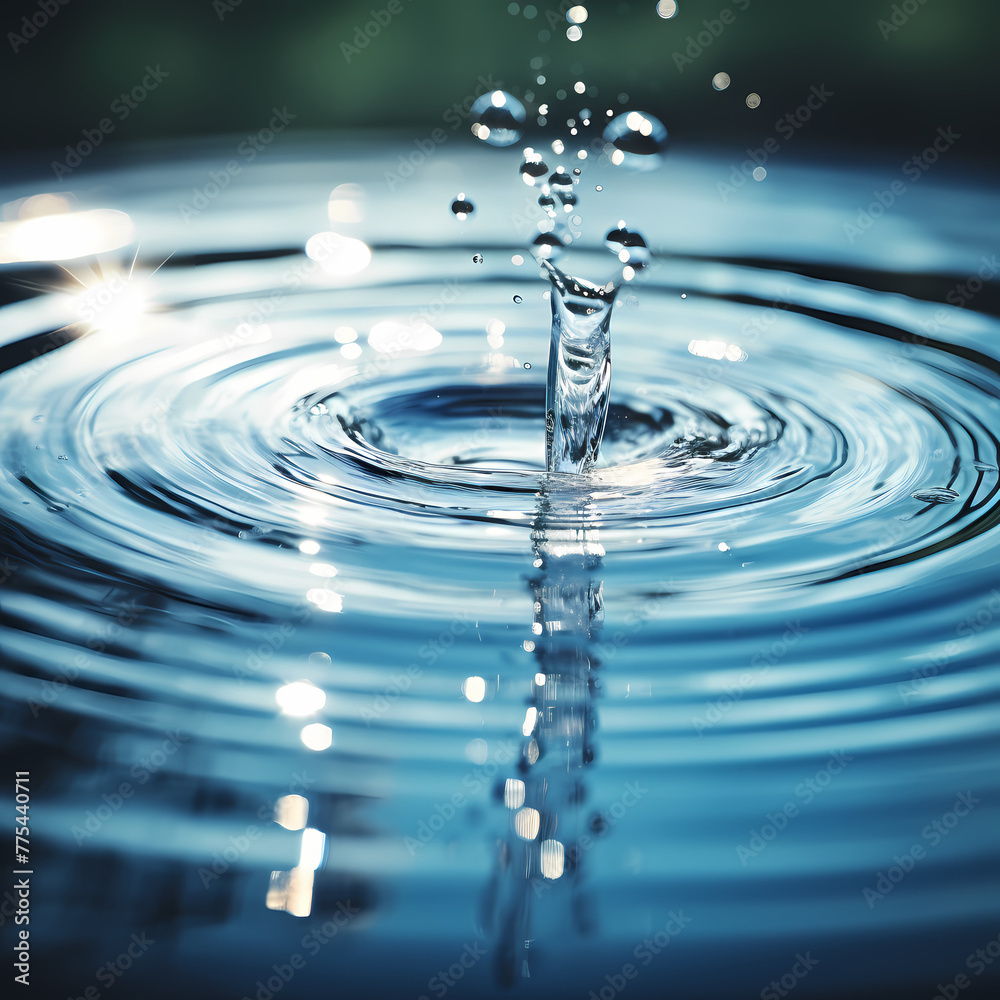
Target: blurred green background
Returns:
[[230, 61]]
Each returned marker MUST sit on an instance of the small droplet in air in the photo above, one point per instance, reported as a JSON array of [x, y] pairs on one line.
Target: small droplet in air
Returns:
[[549, 245], [576, 170], [500, 118], [630, 248], [600, 187], [533, 169], [720, 81], [462, 207], [517, 298], [574, 32], [477, 258], [759, 173], [936, 494], [558, 147], [526, 365], [666, 8], [560, 179], [547, 202], [517, 260], [984, 467], [638, 140], [577, 15], [753, 100]]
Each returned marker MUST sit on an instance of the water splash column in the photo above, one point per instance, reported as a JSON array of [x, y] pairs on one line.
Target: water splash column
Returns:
[[578, 383]]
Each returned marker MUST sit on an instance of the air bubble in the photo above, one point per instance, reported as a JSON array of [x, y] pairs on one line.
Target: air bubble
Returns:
[[629, 247], [639, 140], [533, 169], [500, 117], [936, 494], [549, 245]]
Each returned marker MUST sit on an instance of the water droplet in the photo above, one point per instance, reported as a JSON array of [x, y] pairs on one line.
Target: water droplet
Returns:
[[577, 15], [600, 187], [500, 117], [574, 33], [462, 207], [558, 147], [546, 201], [549, 245], [517, 298], [639, 140], [517, 260], [753, 100], [984, 467], [579, 87], [527, 365], [560, 179], [759, 173], [666, 8], [720, 81], [477, 258], [533, 169], [629, 247], [568, 199], [576, 170], [936, 494]]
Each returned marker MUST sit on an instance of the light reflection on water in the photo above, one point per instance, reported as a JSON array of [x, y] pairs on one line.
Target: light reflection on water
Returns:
[[280, 625]]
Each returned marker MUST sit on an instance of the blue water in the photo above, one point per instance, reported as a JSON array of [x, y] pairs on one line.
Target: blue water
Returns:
[[769, 671]]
